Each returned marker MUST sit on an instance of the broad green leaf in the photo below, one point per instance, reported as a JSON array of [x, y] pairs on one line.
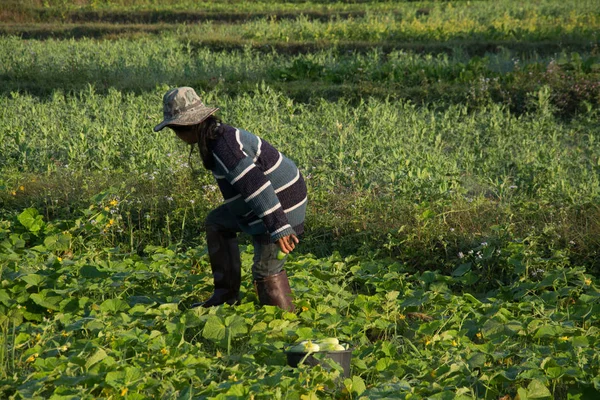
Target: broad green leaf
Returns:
[[120, 379], [462, 269], [238, 391], [98, 356], [259, 327], [114, 306], [522, 393], [305, 333], [580, 341], [21, 338], [383, 363], [554, 372], [393, 295], [492, 327], [31, 220], [34, 280], [548, 331], [89, 271], [4, 298], [236, 325], [169, 309], [537, 390], [58, 242], [214, 329], [589, 299], [47, 299], [358, 385], [476, 360]]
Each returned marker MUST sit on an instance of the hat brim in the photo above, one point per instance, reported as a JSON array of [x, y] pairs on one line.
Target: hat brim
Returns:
[[190, 117]]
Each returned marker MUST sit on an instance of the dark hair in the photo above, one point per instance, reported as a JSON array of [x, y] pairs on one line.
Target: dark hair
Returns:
[[207, 130]]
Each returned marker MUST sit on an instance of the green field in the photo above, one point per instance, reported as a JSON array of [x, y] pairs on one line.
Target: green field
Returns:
[[452, 155]]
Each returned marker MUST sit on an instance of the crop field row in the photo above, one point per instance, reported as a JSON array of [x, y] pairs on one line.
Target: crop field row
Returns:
[[508, 77], [451, 151], [386, 24]]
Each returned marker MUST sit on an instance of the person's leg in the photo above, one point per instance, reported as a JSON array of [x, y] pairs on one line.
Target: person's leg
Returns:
[[270, 280], [224, 255]]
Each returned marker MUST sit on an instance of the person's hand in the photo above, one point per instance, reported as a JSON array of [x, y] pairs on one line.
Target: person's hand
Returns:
[[287, 243]]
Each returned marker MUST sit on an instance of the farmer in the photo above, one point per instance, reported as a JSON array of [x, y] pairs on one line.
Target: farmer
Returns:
[[264, 196]]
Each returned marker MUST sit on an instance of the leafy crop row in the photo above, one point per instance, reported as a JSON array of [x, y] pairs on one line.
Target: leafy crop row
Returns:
[[98, 324], [390, 174], [506, 78]]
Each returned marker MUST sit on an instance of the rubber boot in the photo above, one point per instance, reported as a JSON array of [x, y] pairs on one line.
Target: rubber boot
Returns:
[[226, 265], [275, 290]]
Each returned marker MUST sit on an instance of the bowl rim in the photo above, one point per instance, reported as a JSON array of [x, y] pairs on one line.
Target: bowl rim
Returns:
[[287, 347]]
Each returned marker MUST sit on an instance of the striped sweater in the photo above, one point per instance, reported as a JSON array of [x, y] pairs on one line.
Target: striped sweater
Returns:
[[261, 187]]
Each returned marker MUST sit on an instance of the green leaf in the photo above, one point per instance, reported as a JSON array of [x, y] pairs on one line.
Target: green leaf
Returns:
[[89, 271], [46, 299], [33, 280], [119, 379], [98, 356], [548, 331], [4, 298], [383, 363], [57, 242], [214, 329], [31, 220], [477, 360], [114, 306], [522, 393], [462, 269], [358, 385], [537, 390], [305, 333], [236, 325], [580, 341]]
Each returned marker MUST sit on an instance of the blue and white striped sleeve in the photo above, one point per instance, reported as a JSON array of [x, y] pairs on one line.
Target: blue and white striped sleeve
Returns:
[[251, 183]]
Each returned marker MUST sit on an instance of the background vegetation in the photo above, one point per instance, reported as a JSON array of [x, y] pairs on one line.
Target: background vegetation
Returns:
[[452, 156]]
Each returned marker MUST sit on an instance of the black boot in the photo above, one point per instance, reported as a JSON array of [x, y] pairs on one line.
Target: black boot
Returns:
[[226, 265], [275, 290]]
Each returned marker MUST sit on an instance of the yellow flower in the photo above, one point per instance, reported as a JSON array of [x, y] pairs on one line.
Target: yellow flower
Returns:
[[59, 259], [304, 308], [21, 188], [320, 387], [588, 281], [563, 338], [124, 391], [111, 222], [113, 202], [428, 342], [64, 334], [433, 373], [32, 358], [13, 193], [454, 343], [106, 208], [164, 351], [401, 316], [479, 335]]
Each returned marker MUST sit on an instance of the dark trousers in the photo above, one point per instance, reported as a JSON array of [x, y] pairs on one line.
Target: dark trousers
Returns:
[[221, 233]]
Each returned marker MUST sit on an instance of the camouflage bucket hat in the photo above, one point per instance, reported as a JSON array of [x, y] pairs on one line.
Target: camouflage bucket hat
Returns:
[[182, 106]]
